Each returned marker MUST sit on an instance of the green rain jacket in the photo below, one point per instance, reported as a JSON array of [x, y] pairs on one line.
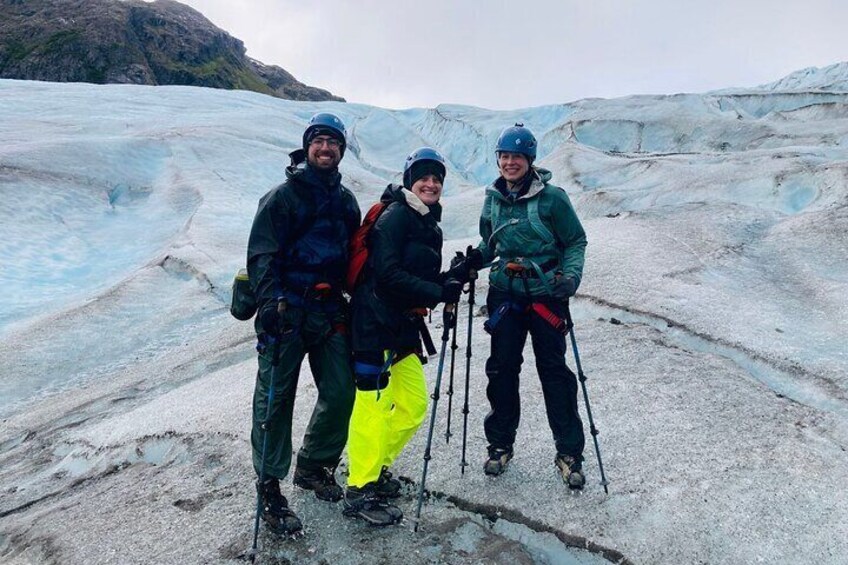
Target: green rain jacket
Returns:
[[538, 229]]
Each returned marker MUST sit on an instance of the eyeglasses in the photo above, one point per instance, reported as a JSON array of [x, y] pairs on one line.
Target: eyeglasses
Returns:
[[330, 141]]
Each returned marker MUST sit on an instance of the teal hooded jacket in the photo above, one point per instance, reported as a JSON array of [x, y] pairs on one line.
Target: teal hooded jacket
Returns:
[[538, 229]]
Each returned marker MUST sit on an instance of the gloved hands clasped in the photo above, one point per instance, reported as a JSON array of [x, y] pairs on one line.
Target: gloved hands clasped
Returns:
[[462, 265]]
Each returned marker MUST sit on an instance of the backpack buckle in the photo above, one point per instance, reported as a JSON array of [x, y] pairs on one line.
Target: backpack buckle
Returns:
[[321, 291], [516, 269]]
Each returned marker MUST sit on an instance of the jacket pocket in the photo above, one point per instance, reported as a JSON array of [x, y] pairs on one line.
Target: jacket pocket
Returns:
[[390, 318]]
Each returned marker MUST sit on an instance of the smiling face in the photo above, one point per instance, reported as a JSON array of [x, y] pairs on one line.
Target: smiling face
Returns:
[[513, 166], [428, 188], [324, 152]]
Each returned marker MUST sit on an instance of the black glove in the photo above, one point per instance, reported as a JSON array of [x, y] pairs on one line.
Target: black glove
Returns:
[[463, 264], [451, 291], [457, 261], [270, 317], [458, 269], [563, 288], [474, 257]]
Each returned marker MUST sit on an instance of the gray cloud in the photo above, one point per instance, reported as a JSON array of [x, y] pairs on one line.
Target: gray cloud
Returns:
[[500, 54]]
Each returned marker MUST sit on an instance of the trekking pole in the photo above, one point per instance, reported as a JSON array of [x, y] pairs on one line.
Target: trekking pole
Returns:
[[472, 277], [582, 378], [454, 347], [449, 320], [274, 361]]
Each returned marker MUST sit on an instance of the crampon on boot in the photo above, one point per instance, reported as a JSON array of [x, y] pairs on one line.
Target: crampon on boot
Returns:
[[387, 486], [275, 509], [365, 503], [321, 480], [497, 462], [571, 470]]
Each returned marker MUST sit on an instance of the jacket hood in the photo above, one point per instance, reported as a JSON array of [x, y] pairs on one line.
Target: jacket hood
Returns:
[[397, 193], [298, 163], [543, 175]]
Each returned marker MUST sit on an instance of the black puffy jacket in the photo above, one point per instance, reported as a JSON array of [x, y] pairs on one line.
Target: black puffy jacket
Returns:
[[401, 274]]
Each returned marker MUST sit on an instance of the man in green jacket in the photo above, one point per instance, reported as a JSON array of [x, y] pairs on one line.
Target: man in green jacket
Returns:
[[297, 259], [536, 245]]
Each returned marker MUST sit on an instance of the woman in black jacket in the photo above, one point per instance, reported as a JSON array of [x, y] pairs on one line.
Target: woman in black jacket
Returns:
[[401, 280]]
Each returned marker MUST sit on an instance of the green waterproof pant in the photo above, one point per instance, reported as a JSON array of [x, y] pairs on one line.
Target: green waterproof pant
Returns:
[[323, 337]]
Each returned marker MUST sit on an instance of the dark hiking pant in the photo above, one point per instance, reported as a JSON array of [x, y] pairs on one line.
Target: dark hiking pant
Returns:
[[323, 338], [559, 384]]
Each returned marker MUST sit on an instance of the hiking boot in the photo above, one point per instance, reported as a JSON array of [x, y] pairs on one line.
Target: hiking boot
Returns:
[[571, 469], [322, 480], [365, 503], [275, 509], [387, 487], [497, 461]]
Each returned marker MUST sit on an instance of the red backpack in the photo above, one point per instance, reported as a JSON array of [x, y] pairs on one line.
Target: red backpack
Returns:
[[359, 247]]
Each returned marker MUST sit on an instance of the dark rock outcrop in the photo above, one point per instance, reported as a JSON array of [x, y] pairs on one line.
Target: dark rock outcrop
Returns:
[[132, 42]]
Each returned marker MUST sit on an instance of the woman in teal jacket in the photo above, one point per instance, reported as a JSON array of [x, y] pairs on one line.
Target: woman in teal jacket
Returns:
[[536, 245]]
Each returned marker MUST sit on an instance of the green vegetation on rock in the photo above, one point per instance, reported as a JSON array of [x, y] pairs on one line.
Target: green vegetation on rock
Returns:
[[135, 42]]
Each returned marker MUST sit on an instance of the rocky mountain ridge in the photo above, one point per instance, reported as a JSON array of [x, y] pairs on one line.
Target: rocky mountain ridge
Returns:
[[132, 42]]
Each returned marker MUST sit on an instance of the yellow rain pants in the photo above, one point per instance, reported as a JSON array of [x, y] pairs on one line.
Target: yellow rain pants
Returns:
[[380, 428]]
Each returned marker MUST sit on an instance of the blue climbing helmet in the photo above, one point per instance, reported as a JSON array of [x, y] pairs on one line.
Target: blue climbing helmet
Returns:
[[325, 123], [517, 139], [423, 161]]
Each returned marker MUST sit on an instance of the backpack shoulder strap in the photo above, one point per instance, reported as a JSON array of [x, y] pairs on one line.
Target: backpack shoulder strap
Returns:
[[358, 248], [494, 211], [536, 220]]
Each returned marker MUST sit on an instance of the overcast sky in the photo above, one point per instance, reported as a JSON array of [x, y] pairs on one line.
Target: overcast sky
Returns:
[[510, 54]]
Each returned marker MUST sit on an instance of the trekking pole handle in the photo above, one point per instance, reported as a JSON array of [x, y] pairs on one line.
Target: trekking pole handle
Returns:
[[449, 317]]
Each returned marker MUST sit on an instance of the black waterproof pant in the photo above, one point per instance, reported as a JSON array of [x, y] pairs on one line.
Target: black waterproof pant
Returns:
[[559, 384]]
